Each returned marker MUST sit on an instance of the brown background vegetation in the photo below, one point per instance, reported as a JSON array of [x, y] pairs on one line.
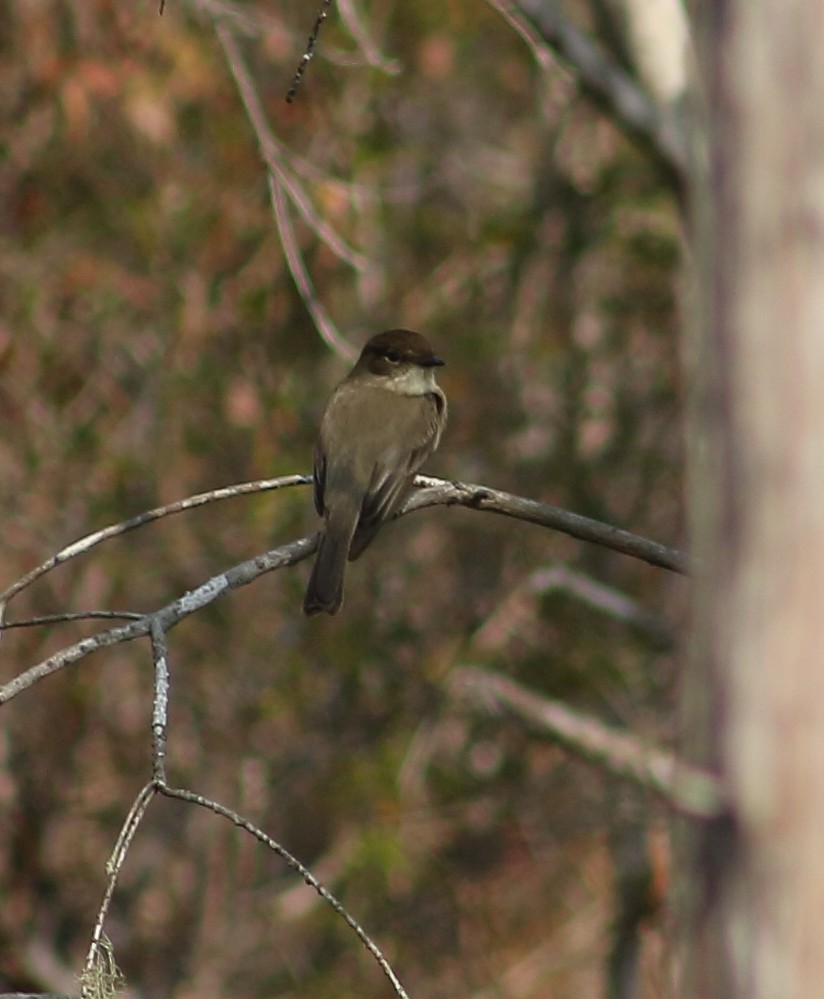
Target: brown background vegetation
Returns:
[[153, 345]]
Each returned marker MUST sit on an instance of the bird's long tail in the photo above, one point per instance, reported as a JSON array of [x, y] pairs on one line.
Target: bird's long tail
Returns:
[[324, 591]]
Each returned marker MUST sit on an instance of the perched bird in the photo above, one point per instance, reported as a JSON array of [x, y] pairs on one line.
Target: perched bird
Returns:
[[382, 423]]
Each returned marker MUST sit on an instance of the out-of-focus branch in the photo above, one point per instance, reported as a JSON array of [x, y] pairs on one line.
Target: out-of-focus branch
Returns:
[[630, 106], [271, 150], [518, 607], [281, 179], [324, 323], [685, 788], [522, 26], [353, 19]]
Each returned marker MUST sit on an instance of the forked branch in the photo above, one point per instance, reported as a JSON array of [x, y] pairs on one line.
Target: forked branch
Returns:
[[431, 492]]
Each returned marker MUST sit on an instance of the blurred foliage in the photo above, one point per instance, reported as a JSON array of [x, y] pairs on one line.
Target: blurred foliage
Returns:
[[153, 345]]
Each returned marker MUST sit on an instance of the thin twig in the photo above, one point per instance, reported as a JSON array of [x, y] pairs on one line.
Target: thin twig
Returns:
[[129, 828], [608, 599], [687, 789], [254, 23], [113, 868], [277, 155], [100, 949], [92, 615], [309, 52], [197, 799]]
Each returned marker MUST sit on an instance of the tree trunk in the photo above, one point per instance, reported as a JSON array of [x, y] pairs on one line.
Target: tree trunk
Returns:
[[757, 485]]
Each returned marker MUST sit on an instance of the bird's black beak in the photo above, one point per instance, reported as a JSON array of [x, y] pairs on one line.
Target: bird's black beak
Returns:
[[432, 362]]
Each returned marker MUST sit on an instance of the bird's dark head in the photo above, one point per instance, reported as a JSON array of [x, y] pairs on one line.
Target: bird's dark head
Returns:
[[395, 350]]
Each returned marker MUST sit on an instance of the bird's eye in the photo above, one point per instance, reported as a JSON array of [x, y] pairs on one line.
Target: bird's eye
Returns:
[[392, 356]]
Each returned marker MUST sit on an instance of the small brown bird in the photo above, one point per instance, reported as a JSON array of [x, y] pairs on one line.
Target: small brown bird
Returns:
[[382, 423]]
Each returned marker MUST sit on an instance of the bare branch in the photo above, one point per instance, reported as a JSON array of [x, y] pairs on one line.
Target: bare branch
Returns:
[[687, 789], [100, 963], [167, 617], [68, 616], [431, 492], [213, 806], [630, 106], [160, 702], [84, 544], [440, 492], [129, 828]]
